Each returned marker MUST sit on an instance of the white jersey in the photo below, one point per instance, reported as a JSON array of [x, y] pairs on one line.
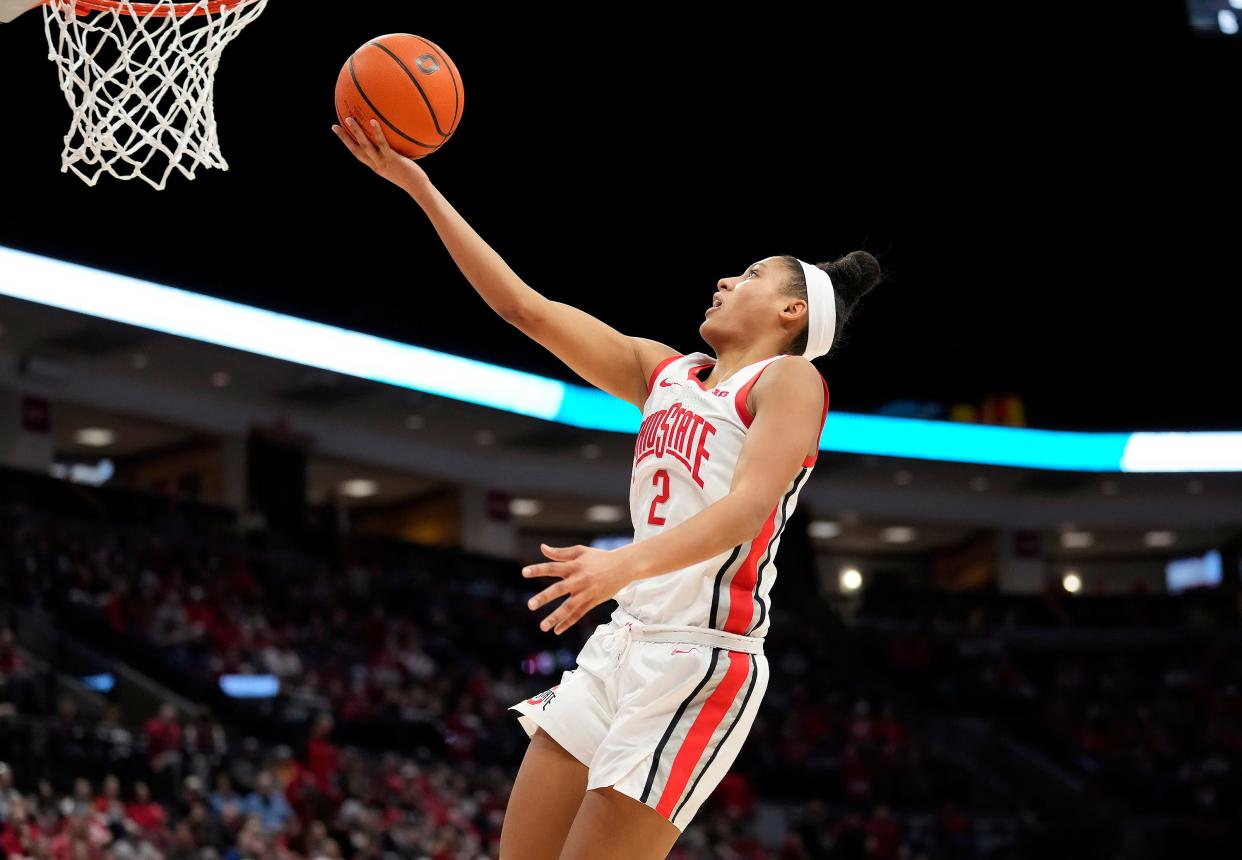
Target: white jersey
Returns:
[[684, 456]]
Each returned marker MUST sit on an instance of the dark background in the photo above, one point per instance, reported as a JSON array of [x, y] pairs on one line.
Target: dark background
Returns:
[[1053, 188]]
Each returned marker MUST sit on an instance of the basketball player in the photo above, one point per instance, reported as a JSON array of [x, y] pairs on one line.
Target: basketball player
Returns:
[[628, 745]]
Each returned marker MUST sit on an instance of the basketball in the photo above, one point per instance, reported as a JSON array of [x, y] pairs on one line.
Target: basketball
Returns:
[[407, 83]]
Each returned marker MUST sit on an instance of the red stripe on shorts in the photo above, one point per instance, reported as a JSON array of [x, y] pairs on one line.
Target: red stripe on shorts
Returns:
[[700, 734]]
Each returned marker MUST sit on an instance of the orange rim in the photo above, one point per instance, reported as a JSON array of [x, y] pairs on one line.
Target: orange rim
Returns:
[[158, 10]]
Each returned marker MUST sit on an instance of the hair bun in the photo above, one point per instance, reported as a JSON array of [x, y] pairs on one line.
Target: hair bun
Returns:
[[861, 270], [869, 267]]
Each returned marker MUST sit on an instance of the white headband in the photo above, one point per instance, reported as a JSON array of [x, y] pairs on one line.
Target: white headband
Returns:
[[821, 302]]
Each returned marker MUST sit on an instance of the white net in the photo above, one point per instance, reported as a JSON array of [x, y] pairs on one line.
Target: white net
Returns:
[[139, 78]]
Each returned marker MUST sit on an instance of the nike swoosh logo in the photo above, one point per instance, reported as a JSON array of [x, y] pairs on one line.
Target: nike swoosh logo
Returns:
[[676, 651], [664, 383]]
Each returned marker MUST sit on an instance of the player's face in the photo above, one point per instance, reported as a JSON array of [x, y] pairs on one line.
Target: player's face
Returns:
[[743, 301]]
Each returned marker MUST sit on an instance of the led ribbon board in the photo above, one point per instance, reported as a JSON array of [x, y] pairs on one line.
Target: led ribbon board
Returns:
[[122, 299]]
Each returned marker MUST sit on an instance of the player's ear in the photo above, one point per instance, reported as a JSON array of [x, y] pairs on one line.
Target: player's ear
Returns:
[[794, 308]]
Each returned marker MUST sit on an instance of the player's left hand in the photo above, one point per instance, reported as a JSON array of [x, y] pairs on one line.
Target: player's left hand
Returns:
[[371, 147], [588, 575]]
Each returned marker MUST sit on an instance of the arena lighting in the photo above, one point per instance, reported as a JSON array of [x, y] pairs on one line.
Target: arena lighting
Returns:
[[898, 534], [1159, 537], [851, 579], [823, 529], [1215, 17], [94, 437], [358, 488], [100, 683], [122, 299], [250, 686], [1072, 582], [1183, 452], [603, 513], [1077, 539], [93, 475], [178, 312], [1205, 570], [525, 507]]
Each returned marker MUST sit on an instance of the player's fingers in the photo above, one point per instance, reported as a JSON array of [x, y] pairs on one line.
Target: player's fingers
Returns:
[[546, 569], [556, 619], [364, 142], [570, 611], [548, 594], [565, 552], [351, 126], [379, 138]]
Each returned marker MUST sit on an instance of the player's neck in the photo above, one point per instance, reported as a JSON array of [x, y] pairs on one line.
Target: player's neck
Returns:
[[730, 362]]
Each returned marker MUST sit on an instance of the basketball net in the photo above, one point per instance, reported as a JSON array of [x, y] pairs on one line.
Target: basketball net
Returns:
[[139, 79]]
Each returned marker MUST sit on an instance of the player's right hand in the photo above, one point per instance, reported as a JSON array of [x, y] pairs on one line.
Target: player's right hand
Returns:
[[371, 148]]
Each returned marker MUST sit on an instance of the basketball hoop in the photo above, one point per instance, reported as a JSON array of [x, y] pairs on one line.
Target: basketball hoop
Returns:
[[139, 79]]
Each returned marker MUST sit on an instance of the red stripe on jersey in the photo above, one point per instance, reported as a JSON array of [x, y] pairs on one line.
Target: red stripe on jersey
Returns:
[[694, 374], [741, 604], [739, 399], [810, 461], [656, 372], [700, 734]]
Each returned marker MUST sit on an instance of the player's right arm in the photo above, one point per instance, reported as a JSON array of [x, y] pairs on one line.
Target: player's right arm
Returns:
[[611, 361], [606, 358]]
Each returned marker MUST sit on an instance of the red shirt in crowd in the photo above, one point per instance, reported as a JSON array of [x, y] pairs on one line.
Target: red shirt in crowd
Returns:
[[162, 736], [148, 816]]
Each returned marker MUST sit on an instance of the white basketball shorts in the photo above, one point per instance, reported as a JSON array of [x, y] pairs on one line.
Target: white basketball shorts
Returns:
[[658, 712]]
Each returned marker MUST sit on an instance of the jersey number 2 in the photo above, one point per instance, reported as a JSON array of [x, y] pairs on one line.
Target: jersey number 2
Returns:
[[660, 477]]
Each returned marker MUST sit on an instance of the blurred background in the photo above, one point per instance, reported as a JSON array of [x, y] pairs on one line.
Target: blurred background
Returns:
[[255, 603]]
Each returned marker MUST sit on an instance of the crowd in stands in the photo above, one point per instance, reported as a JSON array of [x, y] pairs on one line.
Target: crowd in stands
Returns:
[[254, 805], [1053, 607], [1152, 712], [390, 735], [101, 790]]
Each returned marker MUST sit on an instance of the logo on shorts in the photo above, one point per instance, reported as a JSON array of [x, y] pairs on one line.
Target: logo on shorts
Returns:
[[546, 697]]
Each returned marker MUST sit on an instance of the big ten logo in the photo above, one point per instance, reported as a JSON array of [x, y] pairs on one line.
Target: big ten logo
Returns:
[[720, 392]]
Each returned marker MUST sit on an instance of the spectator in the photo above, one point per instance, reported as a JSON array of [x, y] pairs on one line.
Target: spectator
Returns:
[[144, 812], [8, 794], [268, 803], [322, 757], [108, 805], [224, 796], [163, 737]]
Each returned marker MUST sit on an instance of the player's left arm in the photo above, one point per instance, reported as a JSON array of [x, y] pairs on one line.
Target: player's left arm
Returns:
[[788, 404], [788, 407]]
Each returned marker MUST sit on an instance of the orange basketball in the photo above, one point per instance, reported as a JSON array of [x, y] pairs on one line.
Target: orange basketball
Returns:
[[407, 83]]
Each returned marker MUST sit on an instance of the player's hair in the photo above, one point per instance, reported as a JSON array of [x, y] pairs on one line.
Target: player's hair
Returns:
[[853, 276]]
